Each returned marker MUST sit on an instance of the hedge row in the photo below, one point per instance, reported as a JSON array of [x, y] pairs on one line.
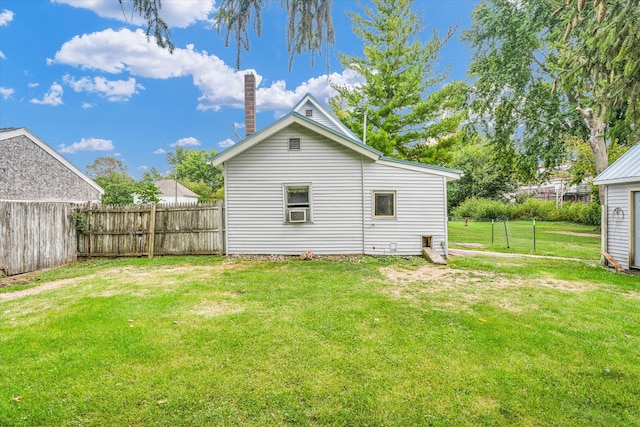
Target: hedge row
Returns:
[[582, 213]]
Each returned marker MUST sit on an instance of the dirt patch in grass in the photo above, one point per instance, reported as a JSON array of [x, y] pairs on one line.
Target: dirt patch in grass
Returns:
[[218, 308], [632, 295], [129, 279], [470, 245], [443, 277], [39, 289], [461, 289], [575, 233]]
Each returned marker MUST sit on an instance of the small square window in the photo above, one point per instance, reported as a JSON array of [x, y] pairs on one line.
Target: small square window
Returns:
[[308, 113], [294, 143], [384, 204]]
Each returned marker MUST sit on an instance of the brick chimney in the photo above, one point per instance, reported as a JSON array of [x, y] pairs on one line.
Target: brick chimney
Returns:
[[249, 104]]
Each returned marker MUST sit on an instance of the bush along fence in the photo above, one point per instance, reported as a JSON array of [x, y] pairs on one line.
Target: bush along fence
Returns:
[[34, 236], [37, 235], [148, 230], [581, 213]]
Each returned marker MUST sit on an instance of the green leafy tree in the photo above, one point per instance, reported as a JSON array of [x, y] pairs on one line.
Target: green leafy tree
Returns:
[[398, 72], [530, 102], [600, 46], [309, 29], [152, 175], [118, 188], [105, 166], [484, 174], [192, 169], [146, 189]]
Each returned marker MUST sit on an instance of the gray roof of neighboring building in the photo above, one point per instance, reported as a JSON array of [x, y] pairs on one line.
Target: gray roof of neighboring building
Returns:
[[168, 188], [625, 169]]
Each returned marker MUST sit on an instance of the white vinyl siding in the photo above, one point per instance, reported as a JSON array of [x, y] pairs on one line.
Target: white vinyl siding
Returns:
[[420, 211], [619, 221], [317, 116], [255, 203]]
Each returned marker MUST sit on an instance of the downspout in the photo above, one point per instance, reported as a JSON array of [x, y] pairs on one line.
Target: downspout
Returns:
[[225, 211], [446, 219], [362, 198], [604, 224]]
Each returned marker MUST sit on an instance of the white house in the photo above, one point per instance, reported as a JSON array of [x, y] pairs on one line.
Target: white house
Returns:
[[172, 191], [307, 183], [620, 183]]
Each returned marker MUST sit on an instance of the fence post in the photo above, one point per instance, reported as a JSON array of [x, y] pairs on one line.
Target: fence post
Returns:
[[506, 231], [89, 227], [152, 230], [492, 231], [534, 235]]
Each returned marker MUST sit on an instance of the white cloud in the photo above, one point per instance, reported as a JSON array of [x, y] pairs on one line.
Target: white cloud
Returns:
[[143, 167], [2, 55], [53, 97], [176, 13], [114, 90], [87, 105], [126, 51], [184, 142], [87, 144], [226, 143], [33, 85], [6, 92], [160, 151], [6, 16]]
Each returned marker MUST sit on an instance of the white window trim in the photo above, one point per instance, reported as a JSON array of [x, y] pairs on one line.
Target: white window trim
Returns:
[[373, 204], [285, 207]]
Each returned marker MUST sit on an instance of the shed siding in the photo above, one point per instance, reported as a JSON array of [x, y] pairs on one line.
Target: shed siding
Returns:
[[619, 221], [255, 204], [420, 211], [27, 172]]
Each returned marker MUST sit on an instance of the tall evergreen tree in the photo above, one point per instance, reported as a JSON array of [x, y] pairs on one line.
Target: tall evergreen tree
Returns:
[[398, 72]]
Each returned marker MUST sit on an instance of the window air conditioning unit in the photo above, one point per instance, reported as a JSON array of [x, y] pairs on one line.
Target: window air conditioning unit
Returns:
[[297, 215]]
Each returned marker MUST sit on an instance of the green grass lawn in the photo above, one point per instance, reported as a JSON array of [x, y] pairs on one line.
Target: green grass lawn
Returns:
[[562, 239], [209, 341]]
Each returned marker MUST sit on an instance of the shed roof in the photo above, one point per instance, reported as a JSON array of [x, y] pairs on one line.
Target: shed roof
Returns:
[[625, 169]]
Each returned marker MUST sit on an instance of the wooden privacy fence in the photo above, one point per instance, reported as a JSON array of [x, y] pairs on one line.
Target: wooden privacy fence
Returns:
[[36, 235], [148, 230]]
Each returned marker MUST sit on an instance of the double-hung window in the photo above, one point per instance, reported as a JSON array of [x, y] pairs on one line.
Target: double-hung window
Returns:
[[297, 203], [384, 204]]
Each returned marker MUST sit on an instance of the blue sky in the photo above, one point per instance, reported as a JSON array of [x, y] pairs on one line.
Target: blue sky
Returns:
[[88, 83]]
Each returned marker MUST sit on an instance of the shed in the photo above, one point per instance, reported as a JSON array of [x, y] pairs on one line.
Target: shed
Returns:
[[307, 183], [30, 170], [620, 183]]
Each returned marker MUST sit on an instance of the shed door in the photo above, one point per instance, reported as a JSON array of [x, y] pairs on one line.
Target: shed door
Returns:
[[636, 229]]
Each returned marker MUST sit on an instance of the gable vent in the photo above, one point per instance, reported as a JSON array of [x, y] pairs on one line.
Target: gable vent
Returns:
[[308, 113], [294, 143]]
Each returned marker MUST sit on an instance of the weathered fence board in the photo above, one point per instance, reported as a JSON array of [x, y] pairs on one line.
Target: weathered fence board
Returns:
[[147, 230], [36, 235]]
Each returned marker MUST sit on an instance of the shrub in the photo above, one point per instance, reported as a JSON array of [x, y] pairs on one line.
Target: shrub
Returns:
[[543, 210]]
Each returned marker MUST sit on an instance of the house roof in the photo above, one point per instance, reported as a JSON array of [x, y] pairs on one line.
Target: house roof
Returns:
[[170, 187], [7, 133], [625, 169], [336, 132]]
